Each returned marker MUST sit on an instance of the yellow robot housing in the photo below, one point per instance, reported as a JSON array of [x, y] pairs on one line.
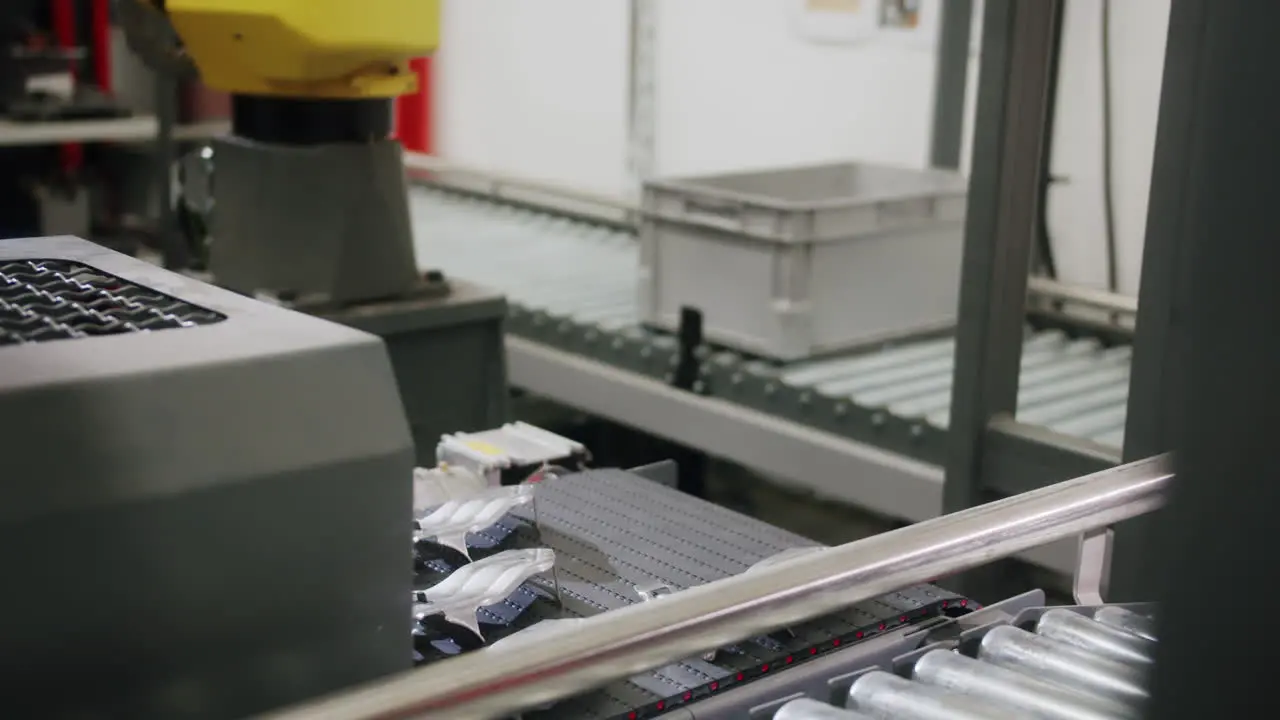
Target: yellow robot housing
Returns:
[[332, 49]]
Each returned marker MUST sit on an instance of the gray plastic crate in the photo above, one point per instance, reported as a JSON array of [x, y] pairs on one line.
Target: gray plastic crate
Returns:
[[806, 261]]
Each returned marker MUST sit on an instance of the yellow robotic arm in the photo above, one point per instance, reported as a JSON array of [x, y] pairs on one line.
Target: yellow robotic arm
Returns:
[[310, 188], [306, 48], [336, 49]]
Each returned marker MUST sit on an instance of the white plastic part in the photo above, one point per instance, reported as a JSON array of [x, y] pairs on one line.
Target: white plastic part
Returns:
[[485, 582], [449, 523], [433, 487], [513, 445]]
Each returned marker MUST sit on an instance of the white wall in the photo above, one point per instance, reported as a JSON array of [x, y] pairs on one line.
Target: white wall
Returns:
[[535, 88], [539, 89], [739, 88]]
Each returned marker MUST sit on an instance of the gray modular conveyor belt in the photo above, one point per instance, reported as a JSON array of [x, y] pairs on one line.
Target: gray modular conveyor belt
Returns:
[[615, 533], [570, 275]]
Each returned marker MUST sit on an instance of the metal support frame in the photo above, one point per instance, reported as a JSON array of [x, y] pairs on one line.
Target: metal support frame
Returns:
[[1015, 78], [1206, 381], [951, 83]]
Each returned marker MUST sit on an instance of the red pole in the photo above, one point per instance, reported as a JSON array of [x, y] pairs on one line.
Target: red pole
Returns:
[[63, 18], [413, 112], [101, 42]]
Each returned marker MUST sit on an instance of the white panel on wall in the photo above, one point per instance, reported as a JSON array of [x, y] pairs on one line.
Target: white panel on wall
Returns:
[[739, 87], [535, 89], [838, 22]]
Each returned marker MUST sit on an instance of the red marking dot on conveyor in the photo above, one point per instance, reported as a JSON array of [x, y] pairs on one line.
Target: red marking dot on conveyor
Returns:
[[964, 603], [858, 635], [764, 668], [944, 604], [661, 705], [688, 696], [882, 627], [740, 677], [902, 619], [789, 660], [835, 643], [632, 715], [715, 686], [813, 651]]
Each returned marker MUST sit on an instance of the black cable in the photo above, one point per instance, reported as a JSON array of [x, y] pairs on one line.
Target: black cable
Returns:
[[1045, 260], [1108, 191]]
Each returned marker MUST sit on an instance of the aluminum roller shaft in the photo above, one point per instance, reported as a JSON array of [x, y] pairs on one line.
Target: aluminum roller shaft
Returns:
[[1062, 664], [1127, 620], [1087, 634], [1035, 698], [885, 695]]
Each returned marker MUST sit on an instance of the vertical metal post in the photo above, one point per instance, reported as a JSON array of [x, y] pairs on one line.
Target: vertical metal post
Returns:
[[1211, 263], [1159, 379], [1015, 75], [172, 245], [642, 93], [951, 83]]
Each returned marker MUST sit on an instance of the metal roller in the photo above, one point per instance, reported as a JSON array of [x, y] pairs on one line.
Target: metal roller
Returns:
[[1079, 631], [1064, 665], [885, 695], [1031, 696], [806, 709], [1127, 620]]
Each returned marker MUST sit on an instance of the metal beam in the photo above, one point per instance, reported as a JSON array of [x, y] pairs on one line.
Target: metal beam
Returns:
[[951, 82], [1213, 225], [1002, 210], [1159, 378], [1015, 77], [1019, 458], [877, 480]]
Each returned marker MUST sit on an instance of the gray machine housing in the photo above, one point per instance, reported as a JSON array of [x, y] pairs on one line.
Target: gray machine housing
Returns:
[[325, 220], [198, 522], [448, 356]]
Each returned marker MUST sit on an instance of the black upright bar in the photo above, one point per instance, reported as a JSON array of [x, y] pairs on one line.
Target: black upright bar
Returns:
[[1214, 225], [1015, 76], [1159, 376], [951, 83]]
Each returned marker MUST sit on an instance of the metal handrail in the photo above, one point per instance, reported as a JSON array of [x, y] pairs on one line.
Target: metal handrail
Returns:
[[525, 674], [1085, 296]]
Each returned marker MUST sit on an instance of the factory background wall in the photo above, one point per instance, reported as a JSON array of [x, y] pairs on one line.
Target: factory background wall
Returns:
[[542, 90]]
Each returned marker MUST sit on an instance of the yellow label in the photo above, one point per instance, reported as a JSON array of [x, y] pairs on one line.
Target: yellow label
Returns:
[[839, 6], [481, 446]]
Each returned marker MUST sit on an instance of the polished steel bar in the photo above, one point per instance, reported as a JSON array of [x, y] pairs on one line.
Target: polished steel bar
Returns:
[[614, 645], [1087, 296]]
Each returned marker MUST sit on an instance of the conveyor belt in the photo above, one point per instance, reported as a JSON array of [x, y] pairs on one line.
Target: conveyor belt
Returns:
[[613, 531], [571, 281]]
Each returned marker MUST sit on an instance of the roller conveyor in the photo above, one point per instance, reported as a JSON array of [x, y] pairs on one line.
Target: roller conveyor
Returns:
[[1078, 663], [572, 285]]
